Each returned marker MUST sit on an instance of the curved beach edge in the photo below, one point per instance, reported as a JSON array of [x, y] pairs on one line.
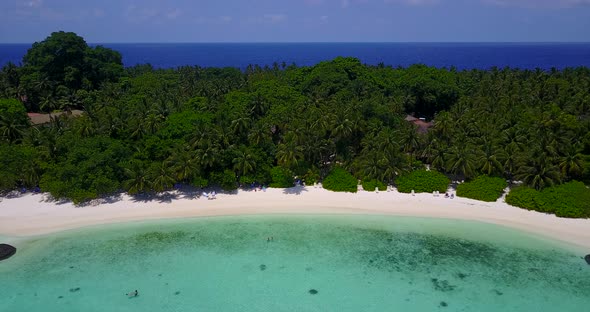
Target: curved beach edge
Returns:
[[33, 214]]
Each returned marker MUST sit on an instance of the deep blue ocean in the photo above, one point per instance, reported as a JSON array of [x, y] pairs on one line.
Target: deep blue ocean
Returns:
[[459, 55]]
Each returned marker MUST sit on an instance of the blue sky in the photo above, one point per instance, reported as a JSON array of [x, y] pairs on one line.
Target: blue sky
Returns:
[[112, 21]]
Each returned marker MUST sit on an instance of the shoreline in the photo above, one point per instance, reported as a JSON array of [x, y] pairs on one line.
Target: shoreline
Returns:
[[29, 215]]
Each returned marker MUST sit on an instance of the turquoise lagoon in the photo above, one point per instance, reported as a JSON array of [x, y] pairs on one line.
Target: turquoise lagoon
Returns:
[[354, 263]]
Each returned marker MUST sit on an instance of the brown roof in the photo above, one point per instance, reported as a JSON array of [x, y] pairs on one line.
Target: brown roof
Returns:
[[411, 118], [422, 125], [38, 119]]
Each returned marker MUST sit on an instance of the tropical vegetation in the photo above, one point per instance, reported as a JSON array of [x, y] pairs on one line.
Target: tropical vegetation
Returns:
[[484, 188], [146, 130], [570, 200], [340, 180], [423, 181], [372, 185]]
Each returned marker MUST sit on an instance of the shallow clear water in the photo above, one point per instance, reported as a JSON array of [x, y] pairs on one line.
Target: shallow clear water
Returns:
[[355, 263]]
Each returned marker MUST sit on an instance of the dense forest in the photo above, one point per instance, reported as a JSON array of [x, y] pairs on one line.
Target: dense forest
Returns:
[[146, 130]]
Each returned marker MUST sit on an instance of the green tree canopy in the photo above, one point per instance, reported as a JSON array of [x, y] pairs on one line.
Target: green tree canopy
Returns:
[[64, 59]]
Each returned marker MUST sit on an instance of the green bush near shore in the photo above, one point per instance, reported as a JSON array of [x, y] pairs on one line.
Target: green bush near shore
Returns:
[[340, 180], [281, 177], [422, 181], [370, 185], [483, 188], [569, 200], [226, 180]]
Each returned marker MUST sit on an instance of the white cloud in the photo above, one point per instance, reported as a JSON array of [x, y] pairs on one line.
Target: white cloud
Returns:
[[139, 14], [538, 3], [173, 14], [275, 18], [34, 3], [97, 12], [225, 19], [414, 2], [267, 19]]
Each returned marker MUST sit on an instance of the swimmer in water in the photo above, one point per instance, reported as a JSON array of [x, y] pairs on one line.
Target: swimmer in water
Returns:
[[133, 294]]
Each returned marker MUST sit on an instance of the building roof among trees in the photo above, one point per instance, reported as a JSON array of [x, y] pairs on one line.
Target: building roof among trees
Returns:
[[423, 125], [38, 119]]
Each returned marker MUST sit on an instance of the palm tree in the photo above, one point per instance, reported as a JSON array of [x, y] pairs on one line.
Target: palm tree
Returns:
[[258, 105], [207, 154], [162, 177], [444, 125], [289, 153], [184, 163], [69, 101], [223, 136], [538, 172], [461, 160], [393, 165], [371, 166], [11, 129], [258, 135], [48, 137], [341, 128], [48, 103], [435, 154], [386, 142], [240, 125], [138, 130], [489, 159], [410, 141], [244, 162], [152, 123], [511, 160], [85, 126], [138, 179], [570, 163], [43, 83]]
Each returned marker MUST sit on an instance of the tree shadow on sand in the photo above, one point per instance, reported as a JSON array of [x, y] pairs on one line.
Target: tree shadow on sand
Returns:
[[165, 197], [296, 190]]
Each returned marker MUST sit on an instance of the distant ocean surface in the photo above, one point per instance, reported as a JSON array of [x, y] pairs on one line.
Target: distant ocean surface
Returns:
[[460, 55]]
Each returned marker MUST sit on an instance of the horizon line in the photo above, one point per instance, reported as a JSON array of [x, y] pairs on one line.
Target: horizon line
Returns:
[[327, 42]]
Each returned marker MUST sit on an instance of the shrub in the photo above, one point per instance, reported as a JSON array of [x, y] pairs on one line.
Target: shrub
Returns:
[[247, 180], [483, 188], [200, 182], [226, 180], [370, 185], [523, 197], [312, 176], [340, 180], [570, 200], [422, 181], [281, 177]]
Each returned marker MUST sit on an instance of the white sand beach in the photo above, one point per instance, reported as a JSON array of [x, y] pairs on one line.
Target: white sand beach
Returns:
[[30, 214]]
